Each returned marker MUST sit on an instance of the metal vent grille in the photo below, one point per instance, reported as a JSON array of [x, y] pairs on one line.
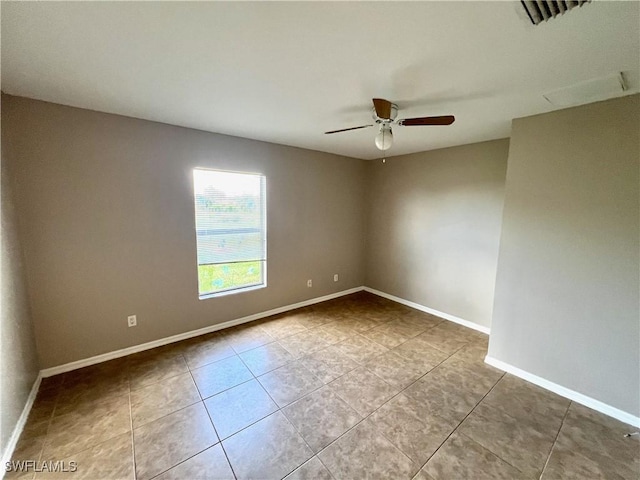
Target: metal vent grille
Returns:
[[542, 10]]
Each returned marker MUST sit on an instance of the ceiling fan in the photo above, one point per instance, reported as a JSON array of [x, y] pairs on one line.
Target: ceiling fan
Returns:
[[385, 113]]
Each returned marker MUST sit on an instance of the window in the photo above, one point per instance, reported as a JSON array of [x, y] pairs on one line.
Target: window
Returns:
[[230, 231]]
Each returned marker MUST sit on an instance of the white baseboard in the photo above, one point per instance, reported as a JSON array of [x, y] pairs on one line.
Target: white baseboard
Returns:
[[577, 397], [17, 430], [67, 367], [432, 311]]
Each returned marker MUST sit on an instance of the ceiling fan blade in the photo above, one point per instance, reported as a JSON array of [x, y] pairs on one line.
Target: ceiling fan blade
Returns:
[[347, 129], [383, 107], [442, 120]]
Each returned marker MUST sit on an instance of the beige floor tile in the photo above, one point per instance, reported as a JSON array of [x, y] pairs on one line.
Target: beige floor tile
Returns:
[[211, 464], [221, 375], [459, 331], [514, 441], [414, 431], [110, 371], [321, 417], [110, 460], [96, 383], [333, 332], [420, 318], [449, 392], [314, 321], [289, 383], [307, 317], [422, 354], [565, 463], [44, 405], [474, 352], [269, 449], [461, 457], [363, 453], [363, 322], [239, 407], [362, 390], [263, 359], [422, 475], [328, 364], [529, 403], [147, 370], [408, 326], [601, 439], [444, 339], [31, 441], [204, 353], [311, 470], [86, 427], [394, 369], [159, 399], [478, 369], [53, 382], [86, 400], [386, 335], [172, 439], [246, 337], [302, 344], [360, 349], [283, 326]]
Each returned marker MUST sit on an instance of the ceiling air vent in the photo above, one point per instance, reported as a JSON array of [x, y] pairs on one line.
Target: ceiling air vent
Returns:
[[542, 10]]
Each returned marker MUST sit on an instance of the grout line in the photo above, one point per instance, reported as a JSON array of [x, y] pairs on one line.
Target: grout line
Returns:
[[212, 424], [313, 453], [556, 439], [227, 457], [183, 461], [50, 421], [490, 451], [322, 463], [366, 417], [195, 403], [460, 423], [133, 442]]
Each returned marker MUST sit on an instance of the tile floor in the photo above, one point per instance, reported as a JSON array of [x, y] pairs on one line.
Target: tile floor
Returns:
[[354, 388]]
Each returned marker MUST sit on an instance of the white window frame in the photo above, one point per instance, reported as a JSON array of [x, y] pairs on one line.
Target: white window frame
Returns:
[[251, 287]]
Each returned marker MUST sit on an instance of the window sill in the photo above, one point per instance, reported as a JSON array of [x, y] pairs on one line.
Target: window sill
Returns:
[[232, 292]]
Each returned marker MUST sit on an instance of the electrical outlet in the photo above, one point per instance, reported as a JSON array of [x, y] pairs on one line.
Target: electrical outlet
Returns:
[[132, 321], [335, 277], [309, 283]]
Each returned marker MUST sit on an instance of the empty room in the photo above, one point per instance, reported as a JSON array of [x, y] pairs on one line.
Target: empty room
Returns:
[[320, 240]]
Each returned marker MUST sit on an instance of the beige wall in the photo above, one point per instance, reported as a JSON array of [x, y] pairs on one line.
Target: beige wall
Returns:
[[107, 221], [566, 302], [18, 355], [434, 227]]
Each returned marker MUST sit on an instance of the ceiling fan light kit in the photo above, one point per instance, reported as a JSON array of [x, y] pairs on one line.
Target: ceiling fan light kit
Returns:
[[384, 115], [384, 138]]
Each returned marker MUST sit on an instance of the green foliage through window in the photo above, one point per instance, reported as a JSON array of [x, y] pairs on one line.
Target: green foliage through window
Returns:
[[218, 278]]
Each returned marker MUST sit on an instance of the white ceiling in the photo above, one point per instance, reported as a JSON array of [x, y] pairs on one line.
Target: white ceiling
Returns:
[[285, 72]]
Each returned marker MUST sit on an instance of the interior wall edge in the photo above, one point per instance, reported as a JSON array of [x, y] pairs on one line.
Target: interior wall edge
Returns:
[[565, 392], [432, 311], [17, 429], [67, 367]]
